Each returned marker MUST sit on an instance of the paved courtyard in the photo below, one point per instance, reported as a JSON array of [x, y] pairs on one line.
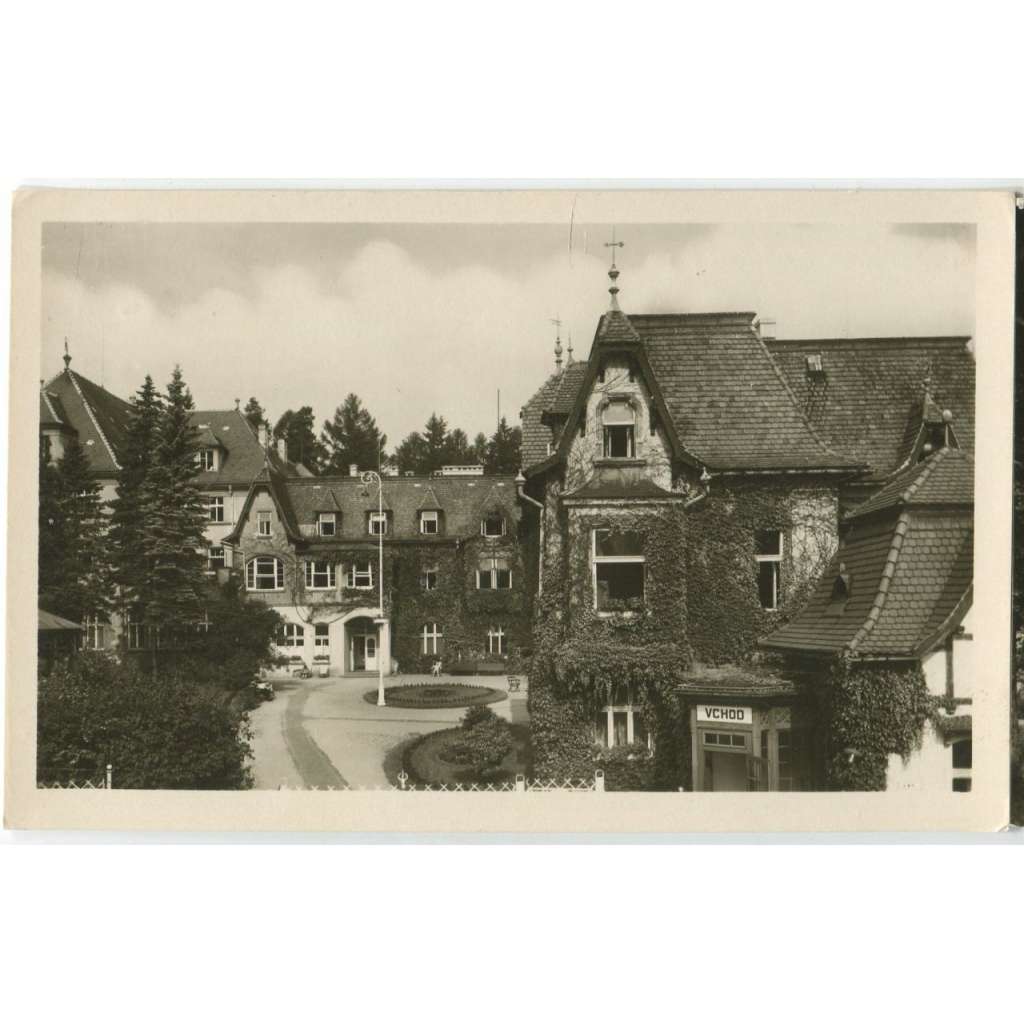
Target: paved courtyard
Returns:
[[321, 732]]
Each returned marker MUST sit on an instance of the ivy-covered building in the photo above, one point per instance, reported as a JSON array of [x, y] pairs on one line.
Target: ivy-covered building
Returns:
[[690, 480], [456, 581]]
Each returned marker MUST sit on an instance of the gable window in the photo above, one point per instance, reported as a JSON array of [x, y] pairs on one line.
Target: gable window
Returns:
[[431, 638], [619, 424], [497, 642], [768, 555], [621, 721], [264, 573], [215, 558], [215, 510], [619, 567], [378, 523], [207, 459], [428, 578], [262, 524], [360, 576], [429, 522], [494, 574], [327, 524], [493, 525], [319, 575], [291, 635], [321, 635]]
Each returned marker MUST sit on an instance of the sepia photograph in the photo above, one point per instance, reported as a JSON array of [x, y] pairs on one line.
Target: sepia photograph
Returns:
[[594, 505]]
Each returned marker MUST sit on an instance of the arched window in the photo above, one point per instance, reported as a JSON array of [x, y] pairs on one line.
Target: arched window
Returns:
[[264, 573], [619, 424], [431, 638]]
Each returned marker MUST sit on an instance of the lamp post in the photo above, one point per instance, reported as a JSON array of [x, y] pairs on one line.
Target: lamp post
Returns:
[[369, 477]]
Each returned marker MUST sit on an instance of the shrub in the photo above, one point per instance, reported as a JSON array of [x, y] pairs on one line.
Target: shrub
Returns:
[[158, 733], [481, 743]]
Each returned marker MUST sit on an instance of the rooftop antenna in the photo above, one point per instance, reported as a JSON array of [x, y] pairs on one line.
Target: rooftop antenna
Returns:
[[558, 342], [613, 272], [67, 356]]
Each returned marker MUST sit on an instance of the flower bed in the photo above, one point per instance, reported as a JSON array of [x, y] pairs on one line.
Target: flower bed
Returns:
[[426, 759], [436, 695]]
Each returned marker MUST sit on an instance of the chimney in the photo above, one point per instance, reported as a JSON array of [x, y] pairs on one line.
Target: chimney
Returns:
[[353, 469], [767, 328], [264, 435], [282, 449]]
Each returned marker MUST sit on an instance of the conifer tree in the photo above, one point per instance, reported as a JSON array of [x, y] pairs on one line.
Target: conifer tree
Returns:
[[296, 428], [435, 436], [173, 519], [503, 449], [255, 414], [78, 581], [479, 449], [51, 546], [126, 521], [352, 437]]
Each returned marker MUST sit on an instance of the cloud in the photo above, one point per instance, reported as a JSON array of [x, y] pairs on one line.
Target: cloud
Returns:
[[419, 327]]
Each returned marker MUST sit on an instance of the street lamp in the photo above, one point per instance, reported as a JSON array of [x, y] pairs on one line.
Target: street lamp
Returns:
[[370, 477]]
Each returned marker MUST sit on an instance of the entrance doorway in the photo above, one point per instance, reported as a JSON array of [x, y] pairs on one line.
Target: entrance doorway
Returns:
[[725, 758], [363, 648]]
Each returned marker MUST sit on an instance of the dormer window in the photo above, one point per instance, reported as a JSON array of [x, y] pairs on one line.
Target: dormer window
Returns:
[[815, 367], [430, 523], [493, 525], [327, 524], [841, 586], [207, 459], [619, 423], [378, 524]]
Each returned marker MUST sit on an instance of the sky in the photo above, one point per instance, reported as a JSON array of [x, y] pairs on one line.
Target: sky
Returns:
[[437, 318]]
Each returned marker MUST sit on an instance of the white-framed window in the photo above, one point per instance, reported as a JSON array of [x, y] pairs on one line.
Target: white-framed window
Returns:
[[140, 636], [321, 635], [768, 555], [319, 574], [94, 634], [621, 722], [497, 641], [264, 573], [493, 525], [494, 574], [202, 625], [291, 635], [378, 523], [431, 638], [962, 755], [619, 568], [428, 578], [215, 509], [215, 558], [327, 524], [618, 423], [360, 576], [263, 521], [430, 522], [207, 460]]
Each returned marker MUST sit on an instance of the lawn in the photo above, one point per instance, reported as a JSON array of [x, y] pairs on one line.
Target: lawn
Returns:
[[436, 695]]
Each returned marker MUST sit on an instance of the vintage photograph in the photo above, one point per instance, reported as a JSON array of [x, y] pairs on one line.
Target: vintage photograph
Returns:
[[597, 506]]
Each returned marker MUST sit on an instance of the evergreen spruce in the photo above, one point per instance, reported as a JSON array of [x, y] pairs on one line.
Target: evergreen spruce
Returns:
[[126, 521], [51, 543], [503, 449], [352, 438], [296, 428], [173, 519]]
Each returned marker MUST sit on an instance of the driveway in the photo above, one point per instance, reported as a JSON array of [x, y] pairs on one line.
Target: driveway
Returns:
[[321, 732]]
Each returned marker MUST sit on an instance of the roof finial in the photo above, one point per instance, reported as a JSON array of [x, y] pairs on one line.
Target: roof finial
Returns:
[[613, 272], [67, 357], [927, 382], [558, 342], [570, 349], [238, 402]]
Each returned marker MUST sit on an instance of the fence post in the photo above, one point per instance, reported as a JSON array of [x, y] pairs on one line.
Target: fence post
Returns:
[[403, 778], [599, 781], [110, 776], [520, 783]]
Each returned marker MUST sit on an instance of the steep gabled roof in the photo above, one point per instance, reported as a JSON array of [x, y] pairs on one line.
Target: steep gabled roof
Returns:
[[867, 400], [243, 457], [100, 419], [544, 414], [907, 567]]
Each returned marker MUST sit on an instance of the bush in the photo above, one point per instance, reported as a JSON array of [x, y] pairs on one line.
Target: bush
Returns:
[[481, 743], [628, 769], [158, 733]]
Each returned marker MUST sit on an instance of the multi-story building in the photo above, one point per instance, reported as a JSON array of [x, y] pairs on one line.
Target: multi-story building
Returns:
[[455, 587], [693, 475]]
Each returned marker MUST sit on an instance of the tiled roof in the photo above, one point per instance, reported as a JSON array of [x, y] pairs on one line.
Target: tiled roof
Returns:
[[617, 484], [100, 419], [555, 398], [922, 484], [734, 681], [462, 501], [51, 414], [868, 400], [48, 622], [242, 455], [908, 570]]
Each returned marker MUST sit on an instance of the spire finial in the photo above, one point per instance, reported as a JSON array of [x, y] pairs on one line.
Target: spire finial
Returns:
[[570, 348], [613, 271], [558, 342], [238, 402], [67, 356]]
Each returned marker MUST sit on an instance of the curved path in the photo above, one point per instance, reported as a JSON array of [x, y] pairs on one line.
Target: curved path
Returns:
[[320, 732]]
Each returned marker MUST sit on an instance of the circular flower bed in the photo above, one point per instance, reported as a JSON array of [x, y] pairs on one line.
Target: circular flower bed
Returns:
[[434, 759], [428, 695]]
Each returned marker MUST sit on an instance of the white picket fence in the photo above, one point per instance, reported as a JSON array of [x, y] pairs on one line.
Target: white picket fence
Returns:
[[521, 784], [93, 781]]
